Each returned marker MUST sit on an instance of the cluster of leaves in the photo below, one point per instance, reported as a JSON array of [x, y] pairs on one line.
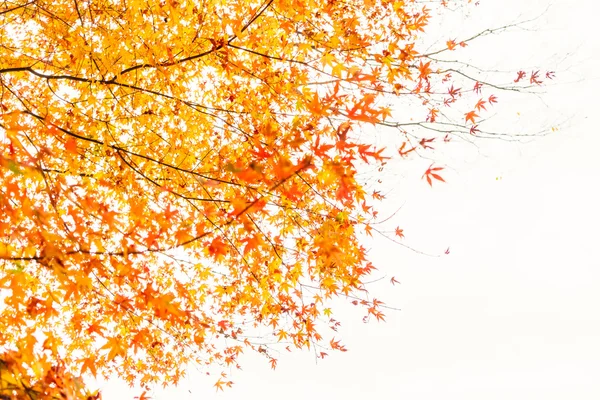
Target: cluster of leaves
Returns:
[[179, 180], [55, 382]]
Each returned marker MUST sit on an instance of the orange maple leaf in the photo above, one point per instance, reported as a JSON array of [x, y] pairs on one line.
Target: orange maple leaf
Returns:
[[431, 174], [143, 396], [217, 248], [480, 105], [115, 348], [71, 145], [470, 116], [424, 70], [252, 243], [403, 152]]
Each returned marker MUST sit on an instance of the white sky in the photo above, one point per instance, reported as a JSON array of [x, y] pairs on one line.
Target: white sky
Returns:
[[512, 311]]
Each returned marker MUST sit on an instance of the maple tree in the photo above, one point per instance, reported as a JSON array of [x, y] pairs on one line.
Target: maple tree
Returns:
[[179, 178]]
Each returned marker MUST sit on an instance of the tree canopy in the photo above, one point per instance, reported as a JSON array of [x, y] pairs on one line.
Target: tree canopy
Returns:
[[179, 178]]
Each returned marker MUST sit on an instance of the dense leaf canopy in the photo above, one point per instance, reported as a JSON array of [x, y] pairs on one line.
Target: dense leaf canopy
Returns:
[[179, 178]]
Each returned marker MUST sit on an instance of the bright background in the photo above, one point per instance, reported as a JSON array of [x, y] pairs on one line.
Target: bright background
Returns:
[[513, 311]]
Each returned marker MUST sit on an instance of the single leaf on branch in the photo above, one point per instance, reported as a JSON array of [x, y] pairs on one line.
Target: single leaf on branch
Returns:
[[431, 172], [470, 117]]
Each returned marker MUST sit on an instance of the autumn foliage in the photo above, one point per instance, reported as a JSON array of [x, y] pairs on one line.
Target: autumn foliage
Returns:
[[179, 178]]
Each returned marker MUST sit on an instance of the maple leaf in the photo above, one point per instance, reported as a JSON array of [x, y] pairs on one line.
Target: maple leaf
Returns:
[[520, 75], [424, 70], [115, 348], [451, 44], [431, 173], [394, 281], [314, 106], [252, 243], [170, 213], [282, 335], [403, 152], [223, 324], [95, 328], [342, 130], [477, 87], [470, 116], [328, 59], [219, 385], [217, 248], [453, 92], [379, 316], [385, 113], [399, 232], [492, 99], [89, 365], [71, 145], [534, 78], [336, 345], [480, 105]]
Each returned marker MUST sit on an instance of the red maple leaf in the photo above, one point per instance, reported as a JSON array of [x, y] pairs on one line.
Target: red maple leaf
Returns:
[[342, 130], [534, 78], [70, 145], [453, 92], [223, 324], [423, 142], [520, 75]]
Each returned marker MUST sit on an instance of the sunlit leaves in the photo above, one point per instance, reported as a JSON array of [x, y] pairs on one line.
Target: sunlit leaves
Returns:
[[177, 178]]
